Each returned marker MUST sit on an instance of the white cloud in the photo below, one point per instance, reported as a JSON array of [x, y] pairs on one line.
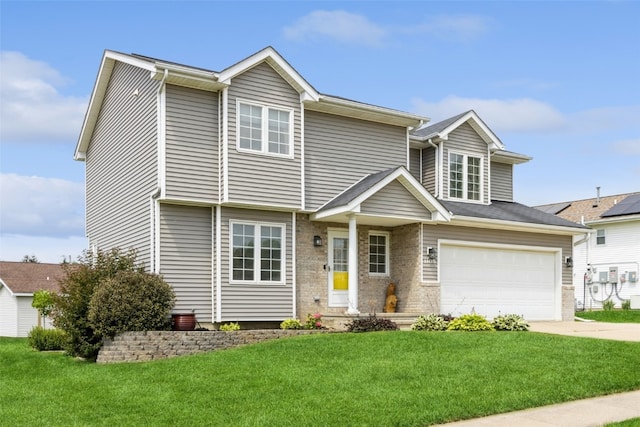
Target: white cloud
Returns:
[[32, 107], [512, 115], [338, 25], [611, 119], [461, 28], [630, 147], [39, 206]]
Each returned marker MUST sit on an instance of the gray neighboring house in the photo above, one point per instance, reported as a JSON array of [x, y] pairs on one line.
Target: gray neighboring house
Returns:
[[259, 198], [18, 282]]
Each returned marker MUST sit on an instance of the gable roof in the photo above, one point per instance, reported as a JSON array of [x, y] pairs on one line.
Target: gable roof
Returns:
[[620, 206], [511, 212], [442, 129], [349, 200], [25, 278]]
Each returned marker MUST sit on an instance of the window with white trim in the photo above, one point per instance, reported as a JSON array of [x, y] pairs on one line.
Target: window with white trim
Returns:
[[600, 237], [257, 252], [264, 129], [379, 253], [465, 177]]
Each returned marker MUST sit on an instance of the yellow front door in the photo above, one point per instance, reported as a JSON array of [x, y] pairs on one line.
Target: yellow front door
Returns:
[[338, 268]]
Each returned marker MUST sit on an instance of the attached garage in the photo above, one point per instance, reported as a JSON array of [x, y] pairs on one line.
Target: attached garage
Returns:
[[500, 279]]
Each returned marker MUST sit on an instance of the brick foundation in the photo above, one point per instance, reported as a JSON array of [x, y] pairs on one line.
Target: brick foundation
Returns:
[[154, 345]]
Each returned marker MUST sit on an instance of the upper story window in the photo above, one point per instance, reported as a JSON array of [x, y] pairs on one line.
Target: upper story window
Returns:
[[379, 253], [600, 240], [265, 129], [464, 176], [257, 252]]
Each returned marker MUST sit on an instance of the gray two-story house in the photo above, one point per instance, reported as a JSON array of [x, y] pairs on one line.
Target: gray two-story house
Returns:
[[259, 198]]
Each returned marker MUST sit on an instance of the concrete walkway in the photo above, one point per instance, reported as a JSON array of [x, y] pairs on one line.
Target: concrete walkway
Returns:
[[596, 411]]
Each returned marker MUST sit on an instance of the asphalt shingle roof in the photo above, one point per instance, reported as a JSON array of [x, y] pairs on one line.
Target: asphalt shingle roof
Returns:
[[437, 127], [591, 209], [30, 277], [358, 188]]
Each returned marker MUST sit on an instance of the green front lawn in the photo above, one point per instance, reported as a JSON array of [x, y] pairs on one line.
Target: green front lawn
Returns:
[[611, 316], [402, 378]]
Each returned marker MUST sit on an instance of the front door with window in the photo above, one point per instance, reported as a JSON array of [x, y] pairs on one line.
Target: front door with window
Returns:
[[338, 267]]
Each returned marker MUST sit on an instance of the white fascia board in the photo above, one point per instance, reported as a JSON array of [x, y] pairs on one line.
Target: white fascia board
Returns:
[[468, 221], [476, 123], [508, 157], [2, 284], [611, 220], [278, 63], [339, 210]]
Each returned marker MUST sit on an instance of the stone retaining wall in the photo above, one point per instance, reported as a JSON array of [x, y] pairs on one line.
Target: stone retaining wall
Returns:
[[153, 345]]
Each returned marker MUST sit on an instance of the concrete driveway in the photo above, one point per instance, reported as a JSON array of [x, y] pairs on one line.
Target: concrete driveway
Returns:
[[608, 331]]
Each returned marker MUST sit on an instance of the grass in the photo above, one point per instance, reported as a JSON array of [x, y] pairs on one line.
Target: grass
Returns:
[[611, 316], [401, 378], [634, 422]]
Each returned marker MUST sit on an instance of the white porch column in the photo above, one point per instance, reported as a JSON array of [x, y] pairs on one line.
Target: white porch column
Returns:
[[353, 267]]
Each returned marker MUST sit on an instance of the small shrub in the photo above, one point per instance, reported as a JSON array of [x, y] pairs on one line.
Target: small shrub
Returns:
[[46, 339], [313, 321], [131, 301], [371, 324], [291, 324], [608, 305], [510, 322], [470, 322], [430, 322], [626, 304], [229, 327]]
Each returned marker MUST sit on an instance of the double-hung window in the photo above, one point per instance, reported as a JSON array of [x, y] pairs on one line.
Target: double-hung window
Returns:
[[257, 252], [265, 129], [379, 253], [600, 237], [465, 177]]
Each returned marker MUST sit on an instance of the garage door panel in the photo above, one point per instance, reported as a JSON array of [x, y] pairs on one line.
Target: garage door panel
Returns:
[[491, 281]]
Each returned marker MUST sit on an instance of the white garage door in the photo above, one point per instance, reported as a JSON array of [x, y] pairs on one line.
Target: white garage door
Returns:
[[496, 280]]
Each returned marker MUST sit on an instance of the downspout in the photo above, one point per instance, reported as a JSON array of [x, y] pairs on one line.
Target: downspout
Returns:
[[437, 161], [154, 241], [153, 196]]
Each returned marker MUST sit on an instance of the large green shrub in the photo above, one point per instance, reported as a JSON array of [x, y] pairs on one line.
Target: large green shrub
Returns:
[[46, 339], [430, 322], [131, 301], [510, 322], [371, 324], [470, 322], [71, 304]]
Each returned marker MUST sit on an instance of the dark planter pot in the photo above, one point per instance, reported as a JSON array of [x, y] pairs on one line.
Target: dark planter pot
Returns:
[[183, 322]]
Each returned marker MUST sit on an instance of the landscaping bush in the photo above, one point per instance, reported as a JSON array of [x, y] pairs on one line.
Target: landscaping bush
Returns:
[[291, 324], [470, 322], [46, 339], [608, 305], [371, 324], [510, 322], [626, 304], [430, 322], [229, 327], [313, 321], [131, 301], [71, 306]]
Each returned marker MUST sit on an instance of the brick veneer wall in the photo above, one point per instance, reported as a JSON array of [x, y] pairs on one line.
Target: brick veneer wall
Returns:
[[153, 345]]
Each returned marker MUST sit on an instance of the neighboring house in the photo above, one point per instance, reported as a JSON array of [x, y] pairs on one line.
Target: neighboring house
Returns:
[[259, 198], [18, 282], [606, 262]]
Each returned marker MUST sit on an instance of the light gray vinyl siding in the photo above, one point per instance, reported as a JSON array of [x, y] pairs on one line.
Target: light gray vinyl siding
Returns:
[[464, 140], [339, 151], [429, 170], [414, 163], [395, 200], [501, 181], [186, 252], [431, 234], [260, 178], [121, 164], [255, 302], [191, 144]]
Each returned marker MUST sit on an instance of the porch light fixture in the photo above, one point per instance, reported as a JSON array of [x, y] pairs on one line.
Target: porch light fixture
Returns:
[[317, 241], [432, 253], [568, 262]]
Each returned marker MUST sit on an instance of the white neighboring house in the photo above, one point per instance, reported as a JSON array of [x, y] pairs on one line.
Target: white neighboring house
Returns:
[[18, 282], [606, 263]]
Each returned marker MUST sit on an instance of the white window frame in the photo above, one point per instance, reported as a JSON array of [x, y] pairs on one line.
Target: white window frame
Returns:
[[601, 234], [264, 135], [387, 247], [465, 177], [256, 253]]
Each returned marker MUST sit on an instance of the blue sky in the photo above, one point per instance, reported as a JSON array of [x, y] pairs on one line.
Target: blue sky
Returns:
[[558, 81]]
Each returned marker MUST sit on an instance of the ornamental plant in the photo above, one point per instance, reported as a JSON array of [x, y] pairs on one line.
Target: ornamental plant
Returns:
[[510, 322], [626, 304], [230, 327], [46, 339], [608, 305], [371, 324], [470, 322], [291, 324], [430, 322], [313, 321]]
